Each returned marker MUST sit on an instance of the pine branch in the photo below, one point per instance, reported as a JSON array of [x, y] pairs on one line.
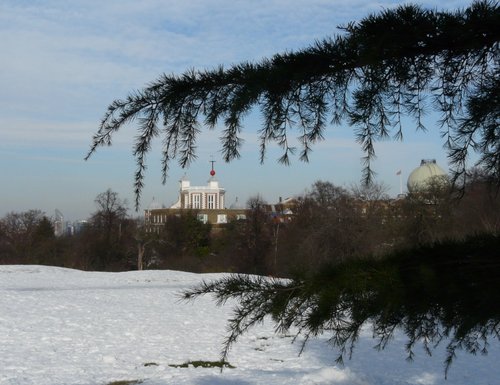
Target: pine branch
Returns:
[[430, 296], [384, 65]]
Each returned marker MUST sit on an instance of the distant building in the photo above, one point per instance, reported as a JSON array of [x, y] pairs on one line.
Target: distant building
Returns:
[[282, 211], [58, 224], [423, 176], [207, 201], [79, 226], [209, 197]]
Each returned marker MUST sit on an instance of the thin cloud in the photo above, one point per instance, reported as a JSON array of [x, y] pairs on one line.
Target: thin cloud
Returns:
[[16, 156]]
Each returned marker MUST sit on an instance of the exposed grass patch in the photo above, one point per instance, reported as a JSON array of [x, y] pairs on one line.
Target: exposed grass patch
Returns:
[[150, 364], [204, 364], [125, 382]]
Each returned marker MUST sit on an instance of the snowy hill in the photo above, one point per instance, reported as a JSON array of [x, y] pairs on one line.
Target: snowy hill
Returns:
[[62, 326]]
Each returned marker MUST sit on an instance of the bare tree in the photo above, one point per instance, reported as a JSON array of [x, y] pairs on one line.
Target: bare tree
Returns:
[[107, 226], [110, 211], [27, 237]]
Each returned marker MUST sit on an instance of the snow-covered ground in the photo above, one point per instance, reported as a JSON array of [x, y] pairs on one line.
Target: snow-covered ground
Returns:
[[61, 326]]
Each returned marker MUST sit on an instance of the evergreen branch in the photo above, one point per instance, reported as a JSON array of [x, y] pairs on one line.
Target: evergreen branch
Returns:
[[419, 292], [148, 130], [385, 64]]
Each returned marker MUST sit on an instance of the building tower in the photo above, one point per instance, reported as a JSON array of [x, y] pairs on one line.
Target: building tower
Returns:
[[209, 197]]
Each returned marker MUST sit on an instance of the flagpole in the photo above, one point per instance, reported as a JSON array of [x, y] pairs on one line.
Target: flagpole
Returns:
[[400, 182]]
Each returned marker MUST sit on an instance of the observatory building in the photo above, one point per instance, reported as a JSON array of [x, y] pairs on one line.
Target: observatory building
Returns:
[[208, 201], [427, 173], [209, 197]]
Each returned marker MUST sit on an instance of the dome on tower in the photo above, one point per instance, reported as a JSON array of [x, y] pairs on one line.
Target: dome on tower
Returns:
[[426, 173]]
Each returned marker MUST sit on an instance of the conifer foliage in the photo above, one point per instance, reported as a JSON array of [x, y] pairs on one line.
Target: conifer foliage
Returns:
[[445, 294], [403, 61]]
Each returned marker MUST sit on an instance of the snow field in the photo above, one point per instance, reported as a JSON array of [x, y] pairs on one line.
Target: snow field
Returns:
[[61, 326]]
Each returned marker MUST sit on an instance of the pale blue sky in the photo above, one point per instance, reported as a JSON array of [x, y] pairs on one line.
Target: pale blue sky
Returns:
[[63, 62]]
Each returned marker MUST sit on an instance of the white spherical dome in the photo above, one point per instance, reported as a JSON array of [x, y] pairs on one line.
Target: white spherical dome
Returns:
[[424, 174], [154, 205]]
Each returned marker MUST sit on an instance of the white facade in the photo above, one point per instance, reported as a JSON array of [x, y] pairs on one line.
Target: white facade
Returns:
[[209, 197]]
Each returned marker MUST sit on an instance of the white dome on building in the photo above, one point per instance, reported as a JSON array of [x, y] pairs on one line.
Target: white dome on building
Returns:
[[236, 205], [154, 205], [424, 174]]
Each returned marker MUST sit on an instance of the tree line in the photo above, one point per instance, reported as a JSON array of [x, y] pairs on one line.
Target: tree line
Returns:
[[329, 224], [104, 242]]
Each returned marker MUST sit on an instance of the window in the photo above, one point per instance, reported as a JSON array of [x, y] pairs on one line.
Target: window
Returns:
[[241, 217], [202, 218], [211, 201], [221, 218], [196, 201]]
